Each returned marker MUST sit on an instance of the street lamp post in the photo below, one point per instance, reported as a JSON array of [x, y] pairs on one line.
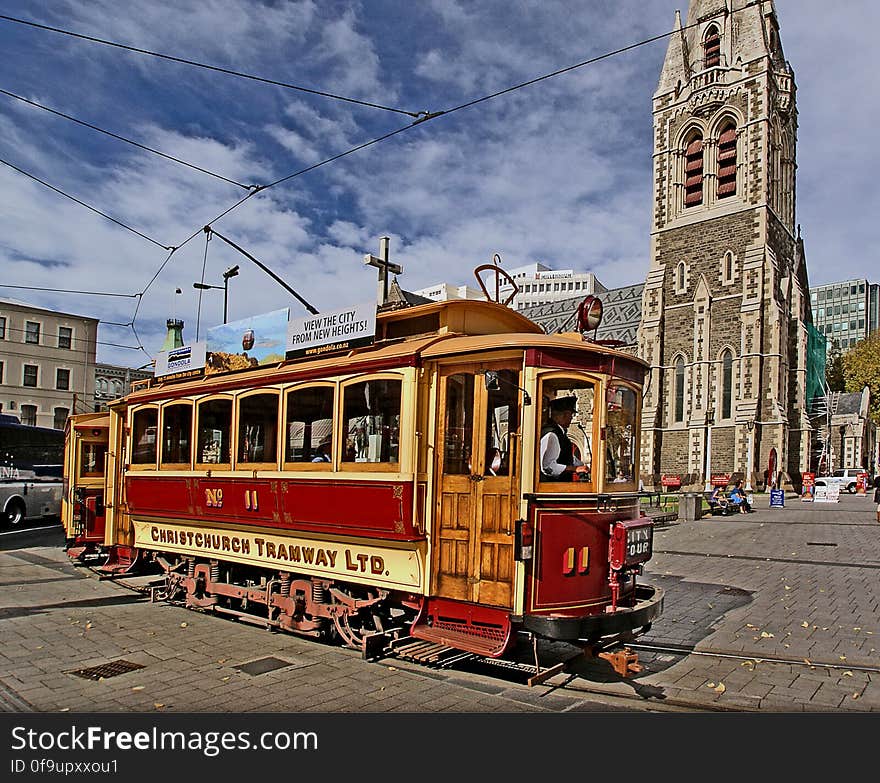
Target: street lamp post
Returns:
[[231, 272]]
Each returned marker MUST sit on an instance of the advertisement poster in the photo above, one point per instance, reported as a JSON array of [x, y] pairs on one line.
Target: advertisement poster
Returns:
[[188, 361], [340, 330], [249, 343], [861, 483], [808, 481]]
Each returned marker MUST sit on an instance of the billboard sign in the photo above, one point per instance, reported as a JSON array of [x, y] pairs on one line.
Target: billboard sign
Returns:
[[340, 330], [248, 343], [188, 361]]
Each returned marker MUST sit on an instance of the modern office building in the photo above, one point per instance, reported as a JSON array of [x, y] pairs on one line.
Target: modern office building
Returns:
[[846, 311], [538, 284]]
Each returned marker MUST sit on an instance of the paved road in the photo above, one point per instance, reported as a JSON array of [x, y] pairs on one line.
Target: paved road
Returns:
[[777, 611]]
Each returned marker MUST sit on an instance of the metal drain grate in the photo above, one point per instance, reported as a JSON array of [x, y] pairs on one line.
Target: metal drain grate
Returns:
[[819, 543], [106, 670], [261, 666]]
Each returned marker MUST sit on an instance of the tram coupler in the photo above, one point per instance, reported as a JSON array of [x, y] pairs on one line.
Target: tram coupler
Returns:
[[624, 661]]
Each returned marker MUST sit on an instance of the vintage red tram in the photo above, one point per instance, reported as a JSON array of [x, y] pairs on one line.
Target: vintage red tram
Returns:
[[82, 507], [397, 488]]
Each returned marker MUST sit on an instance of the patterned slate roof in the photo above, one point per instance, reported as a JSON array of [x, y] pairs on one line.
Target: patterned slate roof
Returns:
[[622, 311]]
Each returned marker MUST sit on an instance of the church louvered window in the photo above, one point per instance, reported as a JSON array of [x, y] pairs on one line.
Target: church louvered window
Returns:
[[712, 47], [727, 162], [693, 173]]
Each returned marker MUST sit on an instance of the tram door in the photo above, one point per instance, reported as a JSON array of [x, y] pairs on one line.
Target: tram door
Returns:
[[478, 484]]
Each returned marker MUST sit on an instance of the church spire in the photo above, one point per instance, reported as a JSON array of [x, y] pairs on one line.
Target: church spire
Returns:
[[676, 67]]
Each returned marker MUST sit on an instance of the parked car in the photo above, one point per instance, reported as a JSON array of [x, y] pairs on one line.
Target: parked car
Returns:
[[844, 479]]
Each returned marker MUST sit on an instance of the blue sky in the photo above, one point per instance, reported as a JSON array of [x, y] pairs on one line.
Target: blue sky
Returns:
[[557, 172]]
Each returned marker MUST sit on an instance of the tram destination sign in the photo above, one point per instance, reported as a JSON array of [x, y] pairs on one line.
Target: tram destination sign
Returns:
[[339, 330]]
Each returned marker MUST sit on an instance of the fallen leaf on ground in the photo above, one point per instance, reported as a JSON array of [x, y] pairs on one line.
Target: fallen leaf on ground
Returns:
[[805, 624], [847, 674], [137, 687], [183, 625], [842, 657], [158, 705], [720, 688], [855, 695], [765, 635]]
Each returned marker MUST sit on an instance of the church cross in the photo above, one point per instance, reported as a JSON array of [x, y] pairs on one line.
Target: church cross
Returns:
[[384, 266]]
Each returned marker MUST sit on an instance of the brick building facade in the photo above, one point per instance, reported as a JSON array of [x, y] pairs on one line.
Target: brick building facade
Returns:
[[726, 300]]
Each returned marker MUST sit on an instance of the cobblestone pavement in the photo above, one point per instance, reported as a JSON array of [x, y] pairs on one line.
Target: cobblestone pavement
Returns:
[[776, 611]]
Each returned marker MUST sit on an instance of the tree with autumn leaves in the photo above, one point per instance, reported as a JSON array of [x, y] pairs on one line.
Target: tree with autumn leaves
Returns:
[[861, 367]]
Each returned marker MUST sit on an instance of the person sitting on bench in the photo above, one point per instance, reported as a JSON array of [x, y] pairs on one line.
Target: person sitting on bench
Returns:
[[738, 498], [718, 503]]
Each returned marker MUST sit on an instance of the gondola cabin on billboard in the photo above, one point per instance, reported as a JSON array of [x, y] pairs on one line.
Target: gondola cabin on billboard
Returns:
[[446, 472]]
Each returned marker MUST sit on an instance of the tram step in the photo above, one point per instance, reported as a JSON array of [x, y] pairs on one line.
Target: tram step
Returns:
[[429, 653], [466, 638]]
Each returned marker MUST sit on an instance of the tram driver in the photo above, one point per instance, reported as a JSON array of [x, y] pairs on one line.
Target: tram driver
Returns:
[[559, 461]]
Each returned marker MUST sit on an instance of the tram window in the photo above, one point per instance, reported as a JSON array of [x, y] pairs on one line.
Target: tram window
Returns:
[[91, 459], [176, 434], [566, 443], [144, 437], [620, 438], [214, 419], [310, 425], [459, 425], [258, 428], [501, 420], [371, 416]]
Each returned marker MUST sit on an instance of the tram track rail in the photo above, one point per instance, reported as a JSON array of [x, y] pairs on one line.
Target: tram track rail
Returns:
[[759, 559]]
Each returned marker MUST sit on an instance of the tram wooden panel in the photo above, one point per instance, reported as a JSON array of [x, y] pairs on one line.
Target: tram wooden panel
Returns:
[[454, 538], [376, 509]]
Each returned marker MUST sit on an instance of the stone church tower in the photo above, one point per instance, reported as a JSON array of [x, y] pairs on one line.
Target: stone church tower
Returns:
[[726, 300]]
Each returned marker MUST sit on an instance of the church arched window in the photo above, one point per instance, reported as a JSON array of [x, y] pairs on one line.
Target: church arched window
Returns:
[[712, 47], [728, 268], [678, 391], [681, 278], [693, 172], [727, 162], [726, 384]]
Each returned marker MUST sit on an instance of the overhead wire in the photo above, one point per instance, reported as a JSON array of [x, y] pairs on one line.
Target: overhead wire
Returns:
[[219, 69], [84, 204], [66, 290], [123, 138], [421, 118]]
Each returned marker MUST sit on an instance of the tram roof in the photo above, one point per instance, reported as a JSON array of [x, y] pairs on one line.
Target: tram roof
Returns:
[[90, 421], [407, 337]]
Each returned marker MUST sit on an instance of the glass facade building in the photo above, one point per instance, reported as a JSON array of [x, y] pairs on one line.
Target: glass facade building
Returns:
[[846, 311]]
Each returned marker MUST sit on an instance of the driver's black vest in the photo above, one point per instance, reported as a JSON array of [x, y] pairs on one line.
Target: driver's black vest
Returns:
[[566, 450]]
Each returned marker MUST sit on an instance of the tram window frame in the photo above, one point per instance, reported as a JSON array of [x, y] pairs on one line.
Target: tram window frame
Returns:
[[138, 460], [342, 428], [609, 483], [199, 444], [308, 464], [262, 464], [97, 447], [575, 380], [167, 464]]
